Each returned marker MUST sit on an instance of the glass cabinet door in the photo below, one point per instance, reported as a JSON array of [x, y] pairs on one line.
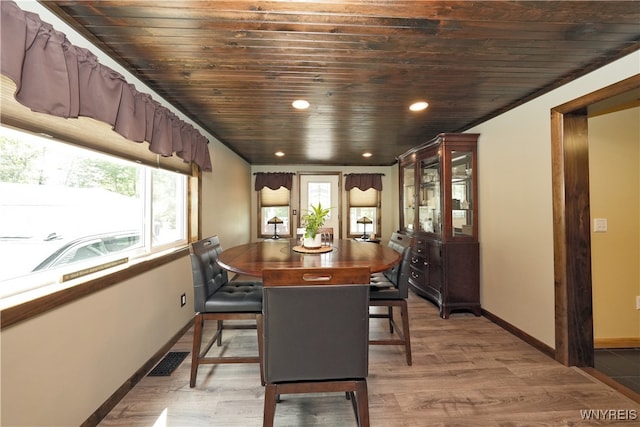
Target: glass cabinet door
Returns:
[[408, 203], [462, 193], [430, 207]]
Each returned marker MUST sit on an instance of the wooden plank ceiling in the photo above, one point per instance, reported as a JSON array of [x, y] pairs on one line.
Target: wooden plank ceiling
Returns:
[[236, 66]]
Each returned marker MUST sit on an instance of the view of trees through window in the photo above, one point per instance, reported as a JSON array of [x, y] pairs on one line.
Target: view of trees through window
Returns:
[[41, 162], [61, 205]]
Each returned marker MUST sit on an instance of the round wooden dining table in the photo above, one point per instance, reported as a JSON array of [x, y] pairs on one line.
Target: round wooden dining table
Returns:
[[252, 258]]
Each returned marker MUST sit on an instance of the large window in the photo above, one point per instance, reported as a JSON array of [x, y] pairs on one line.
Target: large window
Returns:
[[66, 210], [363, 204], [275, 212]]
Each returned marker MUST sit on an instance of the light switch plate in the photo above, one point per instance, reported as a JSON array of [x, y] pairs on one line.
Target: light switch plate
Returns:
[[599, 225]]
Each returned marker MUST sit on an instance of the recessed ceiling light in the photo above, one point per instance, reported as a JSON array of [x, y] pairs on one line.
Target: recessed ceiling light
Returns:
[[279, 153], [367, 154], [300, 104], [418, 106]]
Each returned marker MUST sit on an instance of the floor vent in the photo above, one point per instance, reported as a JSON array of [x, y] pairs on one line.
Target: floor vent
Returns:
[[168, 364]]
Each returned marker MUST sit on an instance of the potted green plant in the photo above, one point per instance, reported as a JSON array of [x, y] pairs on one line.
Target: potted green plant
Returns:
[[312, 221]]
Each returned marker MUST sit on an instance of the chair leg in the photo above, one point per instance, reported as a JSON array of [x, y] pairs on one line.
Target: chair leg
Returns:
[[404, 336], [362, 399], [351, 395], [259, 327], [199, 353], [220, 328], [270, 397], [404, 312], [195, 351], [355, 390]]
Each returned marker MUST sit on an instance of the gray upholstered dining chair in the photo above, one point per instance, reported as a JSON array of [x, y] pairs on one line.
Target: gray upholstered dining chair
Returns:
[[327, 234], [391, 289], [216, 298], [316, 331], [398, 242]]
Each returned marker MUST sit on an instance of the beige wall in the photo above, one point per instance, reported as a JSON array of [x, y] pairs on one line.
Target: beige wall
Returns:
[[515, 206], [58, 368], [614, 187], [389, 204], [226, 204]]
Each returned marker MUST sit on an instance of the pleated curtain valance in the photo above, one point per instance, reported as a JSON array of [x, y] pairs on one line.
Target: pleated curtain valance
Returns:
[[363, 181], [274, 180], [54, 77]]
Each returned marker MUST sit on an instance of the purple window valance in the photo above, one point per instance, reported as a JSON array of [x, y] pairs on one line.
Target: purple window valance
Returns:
[[363, 181], [274, 180], [54, 77]]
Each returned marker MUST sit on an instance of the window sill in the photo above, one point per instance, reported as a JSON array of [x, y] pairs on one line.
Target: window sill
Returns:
[[31, 304]]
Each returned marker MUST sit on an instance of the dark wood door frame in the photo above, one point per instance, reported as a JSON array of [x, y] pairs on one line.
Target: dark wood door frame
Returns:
[[571, 224]]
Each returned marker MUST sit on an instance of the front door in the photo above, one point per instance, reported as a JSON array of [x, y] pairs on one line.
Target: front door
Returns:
[[322, 188]]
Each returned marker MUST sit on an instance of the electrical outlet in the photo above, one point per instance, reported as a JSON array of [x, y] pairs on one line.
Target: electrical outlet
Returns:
[[638, 303], [183, 300]]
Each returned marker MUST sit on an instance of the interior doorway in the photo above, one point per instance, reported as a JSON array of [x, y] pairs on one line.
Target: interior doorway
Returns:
[[571, 219]]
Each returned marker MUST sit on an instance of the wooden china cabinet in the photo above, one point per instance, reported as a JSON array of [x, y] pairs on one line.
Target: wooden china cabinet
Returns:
[[439, 208]]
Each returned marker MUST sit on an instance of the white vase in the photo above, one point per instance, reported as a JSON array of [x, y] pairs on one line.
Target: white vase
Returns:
[[312, 243]]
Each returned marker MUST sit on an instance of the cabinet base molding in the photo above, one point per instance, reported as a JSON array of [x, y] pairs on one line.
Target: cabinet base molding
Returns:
[[446, 309], [616, 342]]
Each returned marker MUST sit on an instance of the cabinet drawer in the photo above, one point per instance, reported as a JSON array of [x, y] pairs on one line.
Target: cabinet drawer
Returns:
[[417, 275], [418, 261], [420, 248]]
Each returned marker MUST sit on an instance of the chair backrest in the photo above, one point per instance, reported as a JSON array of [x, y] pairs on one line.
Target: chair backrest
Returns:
[[404, 273], [315, 323], [208, 276], [400, 272], [327, 233], [399, 241]]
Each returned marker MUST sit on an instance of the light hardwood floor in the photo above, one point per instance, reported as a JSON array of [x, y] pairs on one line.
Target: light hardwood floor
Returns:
[[466, 371]]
